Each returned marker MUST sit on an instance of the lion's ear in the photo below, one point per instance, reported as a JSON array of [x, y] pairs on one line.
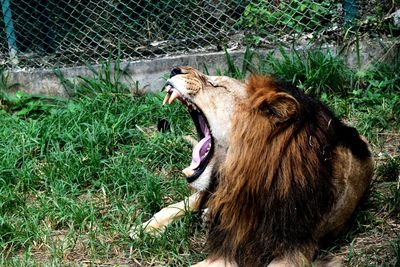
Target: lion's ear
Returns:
[[280, 106]]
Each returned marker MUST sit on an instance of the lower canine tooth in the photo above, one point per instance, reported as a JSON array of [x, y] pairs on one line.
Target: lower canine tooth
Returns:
[[188, 172]]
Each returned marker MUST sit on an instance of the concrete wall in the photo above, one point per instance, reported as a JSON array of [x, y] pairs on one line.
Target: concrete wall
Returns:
[[151, 73]]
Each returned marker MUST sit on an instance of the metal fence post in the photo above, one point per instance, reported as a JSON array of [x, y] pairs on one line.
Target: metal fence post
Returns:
[[11, 40]]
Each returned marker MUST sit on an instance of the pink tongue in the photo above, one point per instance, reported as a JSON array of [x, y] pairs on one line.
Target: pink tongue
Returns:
[[200, 151]]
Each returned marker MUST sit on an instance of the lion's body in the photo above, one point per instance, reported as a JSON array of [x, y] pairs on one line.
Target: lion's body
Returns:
[[282, 173], [285, 185]]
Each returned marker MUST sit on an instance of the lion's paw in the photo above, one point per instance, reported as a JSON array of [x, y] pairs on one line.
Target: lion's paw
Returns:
[[148, 227], [135, 232]]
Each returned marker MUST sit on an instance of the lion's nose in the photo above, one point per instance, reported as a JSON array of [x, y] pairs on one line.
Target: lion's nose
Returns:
[[175, 71]]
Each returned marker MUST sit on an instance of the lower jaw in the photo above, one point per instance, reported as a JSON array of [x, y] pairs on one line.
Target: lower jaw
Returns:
[[201, 182], [197, 173], [193, 178], [194, 174]]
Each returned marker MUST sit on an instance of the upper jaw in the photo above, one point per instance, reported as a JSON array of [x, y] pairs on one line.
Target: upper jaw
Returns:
[[176, 88], [172, 92], [202, 153]]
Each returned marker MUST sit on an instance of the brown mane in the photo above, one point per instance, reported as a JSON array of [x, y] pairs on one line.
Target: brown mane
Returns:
[[275, 184]]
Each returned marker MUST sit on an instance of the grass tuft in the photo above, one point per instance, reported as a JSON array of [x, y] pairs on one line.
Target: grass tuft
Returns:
[[314, 71], [390, 170]]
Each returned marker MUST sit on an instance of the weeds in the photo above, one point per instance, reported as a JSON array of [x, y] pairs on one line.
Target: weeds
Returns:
[[108, 78], [395, 246], [237, 72], [5, 83], [315, 71], [390, 170], [5, 86], [22, 104]]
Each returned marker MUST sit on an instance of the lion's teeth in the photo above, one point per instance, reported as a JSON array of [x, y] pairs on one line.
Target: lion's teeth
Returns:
[[168, 88], [191, 105], [188, 172], [167, 97], [175, 94]]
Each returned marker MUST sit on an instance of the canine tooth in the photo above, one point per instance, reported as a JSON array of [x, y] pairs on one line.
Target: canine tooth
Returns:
[[168, 88], [175, 94], [188, 172], [167, 97]]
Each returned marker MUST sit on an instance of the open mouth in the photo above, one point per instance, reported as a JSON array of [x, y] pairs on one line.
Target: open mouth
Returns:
[[204, 149]]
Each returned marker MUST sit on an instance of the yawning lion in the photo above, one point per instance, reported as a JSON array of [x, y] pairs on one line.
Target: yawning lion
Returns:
[[277, 170]]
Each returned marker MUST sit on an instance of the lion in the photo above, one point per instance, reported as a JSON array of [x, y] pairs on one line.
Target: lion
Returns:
[[278, 172]]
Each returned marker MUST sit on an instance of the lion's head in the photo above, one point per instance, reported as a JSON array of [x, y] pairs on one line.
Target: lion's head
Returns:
[[283, 170], [211, 101]]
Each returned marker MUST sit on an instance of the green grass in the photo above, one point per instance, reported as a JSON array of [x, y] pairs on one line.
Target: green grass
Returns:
[[76, 174], [314, 71], [74, 179]]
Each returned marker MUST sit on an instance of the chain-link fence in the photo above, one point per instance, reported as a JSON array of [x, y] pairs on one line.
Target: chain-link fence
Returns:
[[50, 33]]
